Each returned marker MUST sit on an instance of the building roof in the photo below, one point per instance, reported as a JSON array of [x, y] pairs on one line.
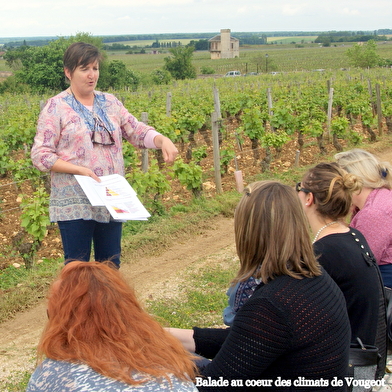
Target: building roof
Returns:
[[218, 38]]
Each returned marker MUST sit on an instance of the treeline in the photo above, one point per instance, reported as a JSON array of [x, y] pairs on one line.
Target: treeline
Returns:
[[246, 38], [344, 36]]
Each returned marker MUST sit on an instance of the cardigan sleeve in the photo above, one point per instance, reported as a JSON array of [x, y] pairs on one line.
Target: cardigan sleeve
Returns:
[[44, 150], [208, 341], [259, 335]]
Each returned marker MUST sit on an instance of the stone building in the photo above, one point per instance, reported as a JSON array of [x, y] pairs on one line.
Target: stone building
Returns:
[[223, 46]]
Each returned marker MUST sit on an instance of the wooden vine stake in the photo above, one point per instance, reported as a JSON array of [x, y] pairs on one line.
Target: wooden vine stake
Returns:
[[329, 118], [239, 181], [217, 106], [379, 110], [144, 118], [215, 145]]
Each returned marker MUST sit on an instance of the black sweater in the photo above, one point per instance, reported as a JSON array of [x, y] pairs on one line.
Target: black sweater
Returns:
[[341, 256], [289, 329]]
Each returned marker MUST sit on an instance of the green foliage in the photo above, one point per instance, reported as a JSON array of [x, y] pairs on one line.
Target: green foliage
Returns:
[[190, 175], [131, 158], [253, 120], [313, 128], [161, 76], [363, 55], [150, 186], [120, 77], [180, 64], [4, 158], [283, 118], [226, 156], [23, 169], [35, 214], [199, 153], [275, 139], [168, 126], [340, 126], [207, 70]]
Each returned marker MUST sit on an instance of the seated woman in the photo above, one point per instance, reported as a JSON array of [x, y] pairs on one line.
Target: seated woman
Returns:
[[295, 324], [98, 338], [325, 194], [373, 205]]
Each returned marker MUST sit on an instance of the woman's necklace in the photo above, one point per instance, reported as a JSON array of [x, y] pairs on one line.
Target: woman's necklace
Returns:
[[324, 227]]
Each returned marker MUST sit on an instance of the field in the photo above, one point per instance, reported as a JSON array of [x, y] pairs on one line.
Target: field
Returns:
[[281, 58]]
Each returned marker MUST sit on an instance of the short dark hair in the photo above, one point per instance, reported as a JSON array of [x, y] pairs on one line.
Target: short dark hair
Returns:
[[80, 53]]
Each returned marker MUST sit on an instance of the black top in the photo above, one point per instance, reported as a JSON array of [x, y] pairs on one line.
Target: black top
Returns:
[[342, 257], [290, 328], [350, 262]]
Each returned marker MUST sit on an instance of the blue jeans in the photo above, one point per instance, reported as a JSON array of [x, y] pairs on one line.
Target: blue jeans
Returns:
[[386, 273], [78, 236]]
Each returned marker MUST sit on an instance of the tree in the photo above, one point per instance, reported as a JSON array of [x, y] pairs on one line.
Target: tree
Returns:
[[180, 64], [364, 55], [121, 77], [201, 44], [41, 67], [161, 76]]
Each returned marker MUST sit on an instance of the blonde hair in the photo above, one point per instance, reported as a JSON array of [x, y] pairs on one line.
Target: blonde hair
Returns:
[[332, 189], [374, 173], [271, 234]]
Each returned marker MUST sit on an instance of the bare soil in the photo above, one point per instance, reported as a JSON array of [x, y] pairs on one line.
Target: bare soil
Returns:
[[150, 275]]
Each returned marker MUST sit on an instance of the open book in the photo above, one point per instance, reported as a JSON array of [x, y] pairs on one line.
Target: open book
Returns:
[[116, 194]]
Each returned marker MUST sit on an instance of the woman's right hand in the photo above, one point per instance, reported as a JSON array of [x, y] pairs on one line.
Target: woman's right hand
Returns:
[[61, 166]]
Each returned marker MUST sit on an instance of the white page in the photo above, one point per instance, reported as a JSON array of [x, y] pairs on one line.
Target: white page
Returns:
[[116, 194]]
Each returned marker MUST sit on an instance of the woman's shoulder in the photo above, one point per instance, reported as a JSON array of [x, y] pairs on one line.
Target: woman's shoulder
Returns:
[[284, 284], [55, 374], [379, 197], [101, 95]]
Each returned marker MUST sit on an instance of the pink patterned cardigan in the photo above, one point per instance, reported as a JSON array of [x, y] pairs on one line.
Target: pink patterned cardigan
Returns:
[[63, 133]]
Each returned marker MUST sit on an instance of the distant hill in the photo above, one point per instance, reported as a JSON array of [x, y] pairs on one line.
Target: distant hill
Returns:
[[41, 41]]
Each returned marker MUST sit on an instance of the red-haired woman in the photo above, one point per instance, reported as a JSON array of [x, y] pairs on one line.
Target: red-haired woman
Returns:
[[98, 338]]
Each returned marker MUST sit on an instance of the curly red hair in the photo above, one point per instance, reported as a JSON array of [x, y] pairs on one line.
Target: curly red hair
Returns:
[[95, 318]]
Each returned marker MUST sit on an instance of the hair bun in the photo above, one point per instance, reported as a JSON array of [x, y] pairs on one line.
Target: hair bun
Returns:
[[351, 182]]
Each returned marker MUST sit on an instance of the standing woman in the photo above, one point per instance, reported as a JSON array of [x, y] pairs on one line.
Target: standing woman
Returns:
[[373, 205], [325, 194], [295, 324], [80, 132]]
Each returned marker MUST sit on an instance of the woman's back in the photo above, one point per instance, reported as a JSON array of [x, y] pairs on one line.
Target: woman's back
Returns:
[[358, 278], [290, 328], [349, 261], [64, 376]]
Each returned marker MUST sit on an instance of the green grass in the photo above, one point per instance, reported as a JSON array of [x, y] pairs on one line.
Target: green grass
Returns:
[[21, 288], [281, 58], [17, 382], [200, 296], [289, 40]]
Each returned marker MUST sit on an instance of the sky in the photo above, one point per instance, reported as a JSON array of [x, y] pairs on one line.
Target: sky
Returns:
[[43, 18]]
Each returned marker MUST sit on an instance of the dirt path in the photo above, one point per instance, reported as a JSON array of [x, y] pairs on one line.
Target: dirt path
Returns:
[[19, 336]]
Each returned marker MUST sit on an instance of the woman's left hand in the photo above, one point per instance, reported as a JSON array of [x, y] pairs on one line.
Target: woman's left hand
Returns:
[[169, 150]]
